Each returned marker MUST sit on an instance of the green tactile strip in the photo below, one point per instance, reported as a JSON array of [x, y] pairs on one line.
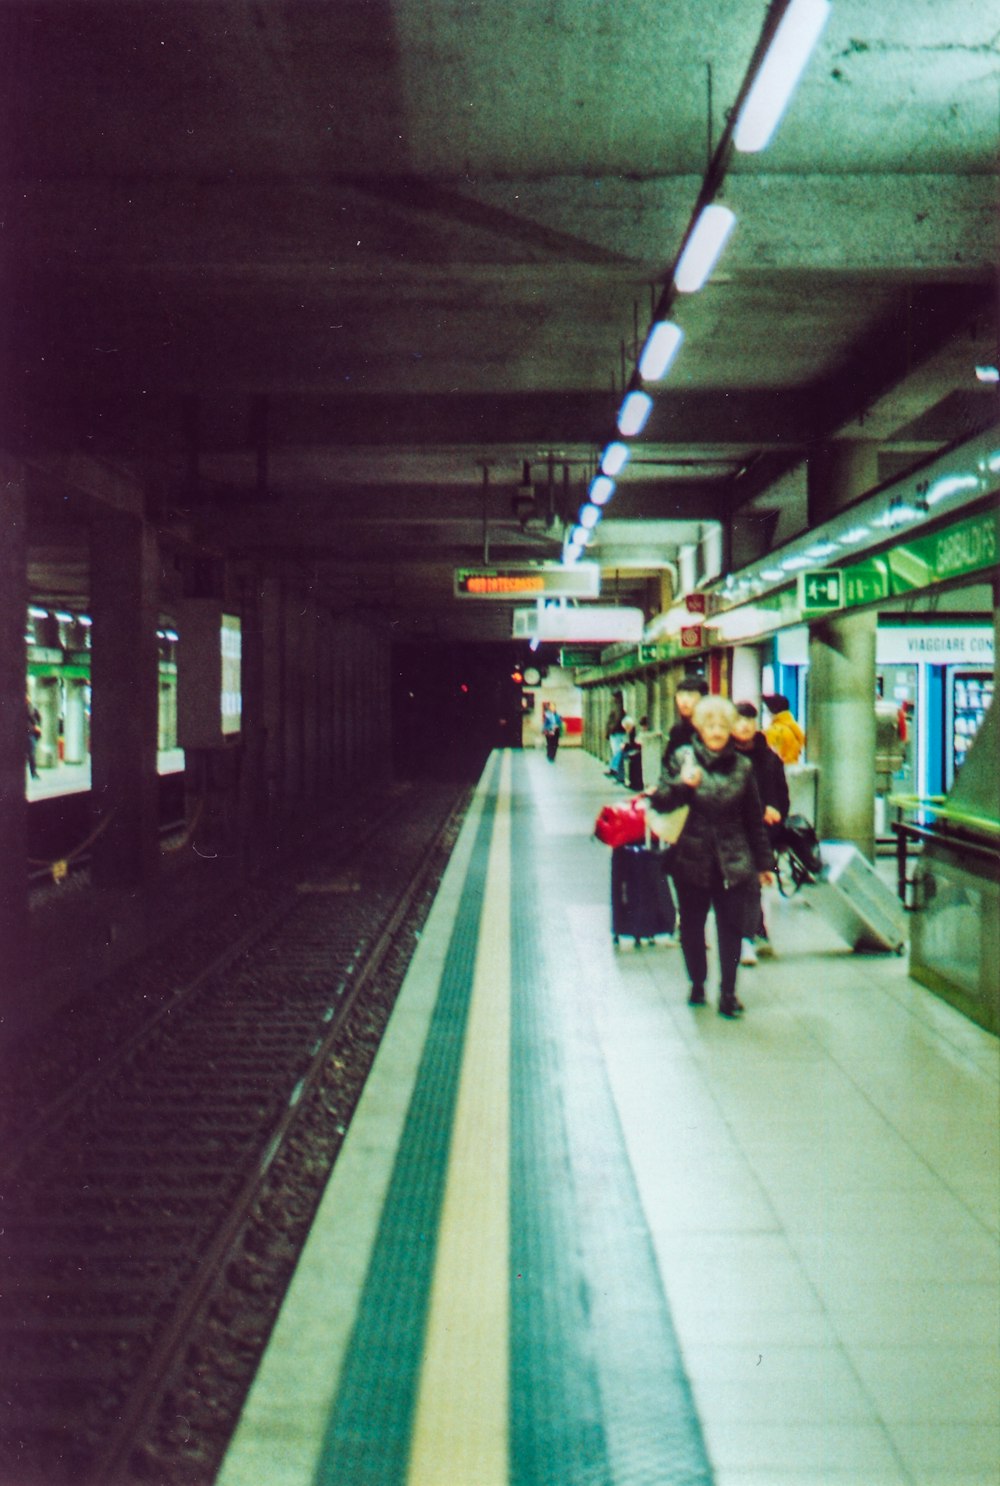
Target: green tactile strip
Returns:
[[367, 1441], [598, 1388]]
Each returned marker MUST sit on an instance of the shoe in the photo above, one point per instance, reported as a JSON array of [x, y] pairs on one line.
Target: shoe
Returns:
[[766, 948], [731, 1008], [748, 955], [697, 996]]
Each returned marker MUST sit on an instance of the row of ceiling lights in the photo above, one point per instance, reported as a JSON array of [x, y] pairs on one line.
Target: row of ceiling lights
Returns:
[[789, 34]]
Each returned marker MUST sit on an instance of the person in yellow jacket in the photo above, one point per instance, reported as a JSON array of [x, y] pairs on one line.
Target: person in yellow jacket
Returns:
[[783, 733]]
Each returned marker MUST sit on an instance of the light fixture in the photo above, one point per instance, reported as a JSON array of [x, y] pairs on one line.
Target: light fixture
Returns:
[[795, 564], [898, 513], [37, 613], [661, 347], [171, 635], [855, 535], [821, 549], [533, 643], [580, 536], [614, 459], [993, 463], [950, 485], [85, 619], [63, 617], [634, 412], [772, 575], [589, 516], [701, 252], [988, 374], [793, 41], [601, 489]]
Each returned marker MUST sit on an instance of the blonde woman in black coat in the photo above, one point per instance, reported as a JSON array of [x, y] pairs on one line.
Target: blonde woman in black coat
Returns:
[[723, 854]]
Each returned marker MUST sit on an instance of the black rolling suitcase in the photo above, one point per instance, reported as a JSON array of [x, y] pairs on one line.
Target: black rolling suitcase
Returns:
[[642, 904]]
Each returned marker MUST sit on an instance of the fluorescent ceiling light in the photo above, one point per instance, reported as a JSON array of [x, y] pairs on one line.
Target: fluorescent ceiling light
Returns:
[[703, 247], [614, 459], [602, 489], [821, 549], [590, 515], [580, 536], [950, 485], [63, 617], [779, 73], [634, 412], [171, 635], [856, 534], [37, 613], [988, 373], [772, 575], [659, 351], [897, 513], [794, 564]]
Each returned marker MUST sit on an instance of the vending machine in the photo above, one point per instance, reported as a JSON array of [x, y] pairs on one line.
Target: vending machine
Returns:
[[967, 696]]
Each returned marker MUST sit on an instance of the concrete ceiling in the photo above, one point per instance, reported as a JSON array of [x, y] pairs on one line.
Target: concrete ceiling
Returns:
[[335, 271]]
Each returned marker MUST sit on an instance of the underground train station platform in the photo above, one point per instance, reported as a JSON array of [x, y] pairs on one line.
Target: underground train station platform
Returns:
[[580, 1232]]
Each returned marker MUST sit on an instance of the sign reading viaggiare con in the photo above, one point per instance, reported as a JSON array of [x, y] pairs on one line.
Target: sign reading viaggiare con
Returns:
[[583, 580]]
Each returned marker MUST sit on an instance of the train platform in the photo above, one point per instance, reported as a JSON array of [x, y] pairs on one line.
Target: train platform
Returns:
[[580, 1232]]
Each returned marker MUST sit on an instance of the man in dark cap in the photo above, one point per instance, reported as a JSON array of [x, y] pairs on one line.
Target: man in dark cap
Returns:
[[783, 733], [690, 690]]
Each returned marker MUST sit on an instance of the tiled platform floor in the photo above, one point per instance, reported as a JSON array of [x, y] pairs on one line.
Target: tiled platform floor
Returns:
[[820, 1181]]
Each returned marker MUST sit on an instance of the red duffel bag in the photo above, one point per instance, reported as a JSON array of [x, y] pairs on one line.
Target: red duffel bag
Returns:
[[621, 825]]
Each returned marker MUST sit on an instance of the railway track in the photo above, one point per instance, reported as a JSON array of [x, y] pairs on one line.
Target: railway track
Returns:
[[153, 1210]]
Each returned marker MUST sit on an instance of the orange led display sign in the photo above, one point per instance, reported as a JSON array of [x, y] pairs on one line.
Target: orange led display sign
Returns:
[[579, 581], [501, 583]]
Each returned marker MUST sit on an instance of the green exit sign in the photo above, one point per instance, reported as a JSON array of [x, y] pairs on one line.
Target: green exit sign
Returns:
[[578, 656], [821, 590]]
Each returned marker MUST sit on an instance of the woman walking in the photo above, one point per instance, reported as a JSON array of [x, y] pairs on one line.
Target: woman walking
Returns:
[[723, 853]]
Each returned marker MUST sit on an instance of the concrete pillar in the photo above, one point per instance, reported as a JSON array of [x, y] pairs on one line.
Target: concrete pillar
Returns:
[[124, 580], [842, 727], [838, 474], [13, 722], [842, 667]]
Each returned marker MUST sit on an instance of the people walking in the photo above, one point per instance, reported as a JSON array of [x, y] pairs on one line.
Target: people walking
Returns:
[[723, 854], [34, 725], [690, 690], [769, 776], [551, 730], [783, 732], [614, 732]]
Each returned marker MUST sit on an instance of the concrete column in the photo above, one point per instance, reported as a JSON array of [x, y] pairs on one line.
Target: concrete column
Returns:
[[842, 667], [13, 722], [124, 580], [842, 727], [839, 473]]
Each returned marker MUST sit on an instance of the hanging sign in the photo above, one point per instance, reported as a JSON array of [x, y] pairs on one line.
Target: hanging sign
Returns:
[[582, 580], [692, 637], [821, 590]]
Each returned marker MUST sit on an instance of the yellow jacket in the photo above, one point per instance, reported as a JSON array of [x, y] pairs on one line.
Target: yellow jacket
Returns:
[[786, 737]]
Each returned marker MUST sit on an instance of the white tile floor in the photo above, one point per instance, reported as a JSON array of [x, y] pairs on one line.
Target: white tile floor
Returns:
[[822, 1181]]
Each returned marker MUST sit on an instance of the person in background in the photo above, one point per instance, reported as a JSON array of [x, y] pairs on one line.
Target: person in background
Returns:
[[34, 722], [551, 730], [783, 732], [723, 855], [632, 754], [690, 691], [769, 776], [614, 732]]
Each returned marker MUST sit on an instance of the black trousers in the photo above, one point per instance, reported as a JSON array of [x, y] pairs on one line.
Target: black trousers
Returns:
[[731, 913]]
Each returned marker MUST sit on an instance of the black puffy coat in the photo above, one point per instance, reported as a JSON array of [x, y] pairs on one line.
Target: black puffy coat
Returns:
[[725, 826], [769, 772]]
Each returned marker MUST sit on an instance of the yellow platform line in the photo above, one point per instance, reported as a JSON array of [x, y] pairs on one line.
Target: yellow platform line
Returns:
[[461, 1423]]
